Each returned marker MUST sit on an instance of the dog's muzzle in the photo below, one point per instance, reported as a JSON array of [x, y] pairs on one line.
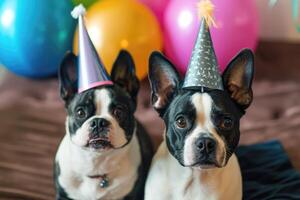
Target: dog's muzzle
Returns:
[[99, 134], [205, 149]]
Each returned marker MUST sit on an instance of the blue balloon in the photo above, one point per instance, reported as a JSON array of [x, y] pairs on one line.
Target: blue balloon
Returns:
[[34, 35]]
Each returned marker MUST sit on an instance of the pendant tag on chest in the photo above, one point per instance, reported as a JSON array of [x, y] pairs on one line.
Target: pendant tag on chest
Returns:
[[104, 182]]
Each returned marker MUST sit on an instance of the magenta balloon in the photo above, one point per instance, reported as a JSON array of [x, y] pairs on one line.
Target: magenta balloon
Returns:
[[157, 6], [237, 29]]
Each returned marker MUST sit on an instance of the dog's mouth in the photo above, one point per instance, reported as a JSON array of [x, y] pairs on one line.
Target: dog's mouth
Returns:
[[100, 143], [204, 166]]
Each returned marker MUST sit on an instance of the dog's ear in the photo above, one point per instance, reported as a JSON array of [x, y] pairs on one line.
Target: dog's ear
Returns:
[[238, 76], [67, 75], [164, 81], [123, 74]]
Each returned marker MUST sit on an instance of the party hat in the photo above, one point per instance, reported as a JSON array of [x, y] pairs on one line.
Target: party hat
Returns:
[[203, 71], [91, 71]]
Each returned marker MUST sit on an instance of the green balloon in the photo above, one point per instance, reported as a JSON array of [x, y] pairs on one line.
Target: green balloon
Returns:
[[86, 3]]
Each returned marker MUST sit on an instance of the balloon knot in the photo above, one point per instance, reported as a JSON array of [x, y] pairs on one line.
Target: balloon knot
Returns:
[[78, 11], [205, 10]]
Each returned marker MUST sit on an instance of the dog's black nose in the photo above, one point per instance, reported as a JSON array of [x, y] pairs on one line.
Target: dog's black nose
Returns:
[[206, 145], [99, 123]]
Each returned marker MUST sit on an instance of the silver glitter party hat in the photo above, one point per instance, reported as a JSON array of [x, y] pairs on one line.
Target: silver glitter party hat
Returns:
[[92, 72], [203, 68]]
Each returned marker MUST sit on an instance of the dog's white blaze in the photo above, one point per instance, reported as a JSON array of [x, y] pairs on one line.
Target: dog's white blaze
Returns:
[[204, 126], [102, 102]]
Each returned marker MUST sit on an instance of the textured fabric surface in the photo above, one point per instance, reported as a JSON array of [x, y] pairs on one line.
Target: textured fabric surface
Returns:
[[32, 121], [270, 175]]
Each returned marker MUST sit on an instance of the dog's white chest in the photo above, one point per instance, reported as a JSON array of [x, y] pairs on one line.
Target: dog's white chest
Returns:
[[121, 168], [187, 189]]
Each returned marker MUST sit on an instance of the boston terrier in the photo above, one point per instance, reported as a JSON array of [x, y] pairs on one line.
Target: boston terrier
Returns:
[[105, 153], [196, 160]]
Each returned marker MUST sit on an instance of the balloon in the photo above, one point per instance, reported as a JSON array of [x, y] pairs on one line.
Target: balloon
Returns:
[[237, 23], [86, 3], [126, 24], [158, 7], [34, 35]]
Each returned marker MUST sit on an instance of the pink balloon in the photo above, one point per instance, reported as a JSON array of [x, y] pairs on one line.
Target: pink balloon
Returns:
[[158, 7], [237, 29]]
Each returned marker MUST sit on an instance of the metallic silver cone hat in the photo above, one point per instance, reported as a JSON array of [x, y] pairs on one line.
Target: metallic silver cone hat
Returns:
[[203, 70], [92, 72]]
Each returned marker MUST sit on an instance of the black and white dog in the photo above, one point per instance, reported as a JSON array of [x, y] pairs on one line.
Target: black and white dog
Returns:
[[105, 153], [196, 159]]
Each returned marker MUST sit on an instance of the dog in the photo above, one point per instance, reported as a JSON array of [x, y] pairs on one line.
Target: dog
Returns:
[[196, 159], [105, 153]]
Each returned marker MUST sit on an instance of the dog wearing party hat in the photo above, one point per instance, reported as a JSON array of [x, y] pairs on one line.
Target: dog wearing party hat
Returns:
[[105, 153], [196, 160]]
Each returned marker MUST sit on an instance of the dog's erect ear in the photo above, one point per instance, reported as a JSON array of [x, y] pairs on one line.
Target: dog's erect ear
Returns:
[[67, 75], [164, 81], [238, 76], [123, 74]]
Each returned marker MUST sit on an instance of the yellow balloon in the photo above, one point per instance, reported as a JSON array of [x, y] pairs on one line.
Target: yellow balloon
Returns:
[[122, 24]]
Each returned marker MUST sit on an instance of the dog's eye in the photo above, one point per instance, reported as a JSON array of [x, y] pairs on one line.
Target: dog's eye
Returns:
[[226, 123], [118, 113], [80, 113], [181, 122]]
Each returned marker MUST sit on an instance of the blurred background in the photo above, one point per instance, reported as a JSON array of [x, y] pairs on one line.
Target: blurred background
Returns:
[[35, 34]]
